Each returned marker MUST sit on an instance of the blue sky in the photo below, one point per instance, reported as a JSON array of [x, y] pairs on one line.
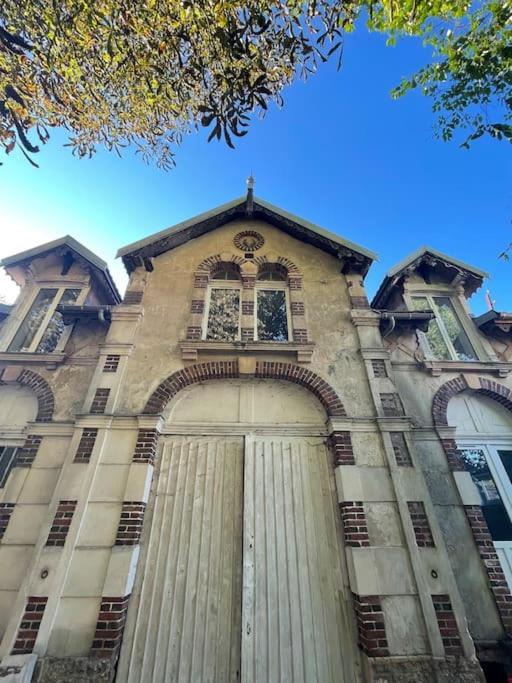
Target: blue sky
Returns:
[[341, 153]]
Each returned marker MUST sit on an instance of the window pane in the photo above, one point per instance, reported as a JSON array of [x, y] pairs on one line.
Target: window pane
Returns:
[[272, 271], [224, 314], [506, 459], [458, 337], [226, 271], [55, 328], [7, 459], [30, 326], [272, 318], [433, 336], [492, 506]]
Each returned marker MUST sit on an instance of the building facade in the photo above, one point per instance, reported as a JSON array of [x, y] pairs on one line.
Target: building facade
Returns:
[[246, 471]]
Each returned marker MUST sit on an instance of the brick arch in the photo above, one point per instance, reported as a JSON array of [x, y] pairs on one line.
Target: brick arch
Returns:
[[216, 370], [211, 261], [483, 386], [281, 260], [41, 389]]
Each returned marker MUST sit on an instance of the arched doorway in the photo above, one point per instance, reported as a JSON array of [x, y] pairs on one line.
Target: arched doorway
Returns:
[[241, 574], [484, 440]]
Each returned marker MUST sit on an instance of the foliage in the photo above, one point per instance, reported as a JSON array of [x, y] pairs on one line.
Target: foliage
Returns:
[[146, 72], [470, 80]]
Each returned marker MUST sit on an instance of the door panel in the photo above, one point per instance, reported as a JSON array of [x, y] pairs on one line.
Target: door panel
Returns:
[[188, 620], [291, 615]]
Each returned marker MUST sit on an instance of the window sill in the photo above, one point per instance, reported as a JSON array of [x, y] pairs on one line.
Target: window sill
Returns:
[[191, 349], [49, 360], [437, 367]]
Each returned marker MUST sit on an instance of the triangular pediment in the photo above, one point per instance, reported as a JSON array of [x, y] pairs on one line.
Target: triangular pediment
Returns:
[[352, 256]]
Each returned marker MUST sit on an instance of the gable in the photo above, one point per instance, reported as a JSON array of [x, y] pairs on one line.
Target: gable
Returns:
[[351, 256]]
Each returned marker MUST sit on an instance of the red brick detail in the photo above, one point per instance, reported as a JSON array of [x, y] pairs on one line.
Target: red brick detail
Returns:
[[130, 523], [391, 405], [26, 455], [61, 523], [490, 388], [371, 628], [110, 626], [6, 510], [355, 529], [99, 402], [491, 562], [41, 389], [455, 462], [211, 263], [359, 302], [213, 370], [379, 368], [421, 526], [294, 281], [29, 627], [111, 363], [131, 298], [145, 448], [447, 624], [247, 307], [297, 308], [300, 335], [192, 374], [248, 281], [87, 441], [305, 378], [201, 280], [340, 445], [197, 306], [400, 449], [247, 334], [285, 263], [194, 333]]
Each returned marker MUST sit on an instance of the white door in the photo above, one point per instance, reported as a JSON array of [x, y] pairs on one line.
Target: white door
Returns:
[[291, 617]]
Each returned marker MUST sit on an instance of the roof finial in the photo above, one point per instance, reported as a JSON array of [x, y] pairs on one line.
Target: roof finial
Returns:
[[250, 195]]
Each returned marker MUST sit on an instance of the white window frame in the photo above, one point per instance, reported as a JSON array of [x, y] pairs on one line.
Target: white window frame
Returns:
[[462, 318], [60, 286], [222, 284], [271, 286]]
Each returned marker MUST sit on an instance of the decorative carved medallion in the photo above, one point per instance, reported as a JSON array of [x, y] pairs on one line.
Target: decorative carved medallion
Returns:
[[249, 240]]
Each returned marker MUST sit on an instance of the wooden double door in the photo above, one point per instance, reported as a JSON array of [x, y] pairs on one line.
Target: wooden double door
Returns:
[[240, 576]]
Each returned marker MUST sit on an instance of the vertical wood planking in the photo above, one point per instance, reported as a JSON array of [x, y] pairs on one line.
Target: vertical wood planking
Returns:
[[188, 621], [292, 622]]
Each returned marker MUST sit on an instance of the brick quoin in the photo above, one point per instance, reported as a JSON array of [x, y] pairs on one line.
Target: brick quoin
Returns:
[[26, 455], [41, 389], [355, 529], [379, 368], [110, 626], [359, 302], [447, 625], [213, 370], [340, 444], [145, 448], [99, 402], [6, 510], [492, 564], [29, 627], [194, 333], [455, 462], [132, 298], [391, 405], [130, 523], [300, 335], [111, 363], [201, 281], [371, 628], [197, 306], [61, 523], [294, 282], [86, 445], [247, 334], [297, 308], [421, 526], [400, 449]]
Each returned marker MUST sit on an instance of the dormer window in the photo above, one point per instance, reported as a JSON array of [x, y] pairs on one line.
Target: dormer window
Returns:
[[271, 303], [223, 314], [43, 326], [446, 338]]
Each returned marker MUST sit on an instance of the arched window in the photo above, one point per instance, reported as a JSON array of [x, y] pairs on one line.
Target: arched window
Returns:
[[222, 319], [272, 307]]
